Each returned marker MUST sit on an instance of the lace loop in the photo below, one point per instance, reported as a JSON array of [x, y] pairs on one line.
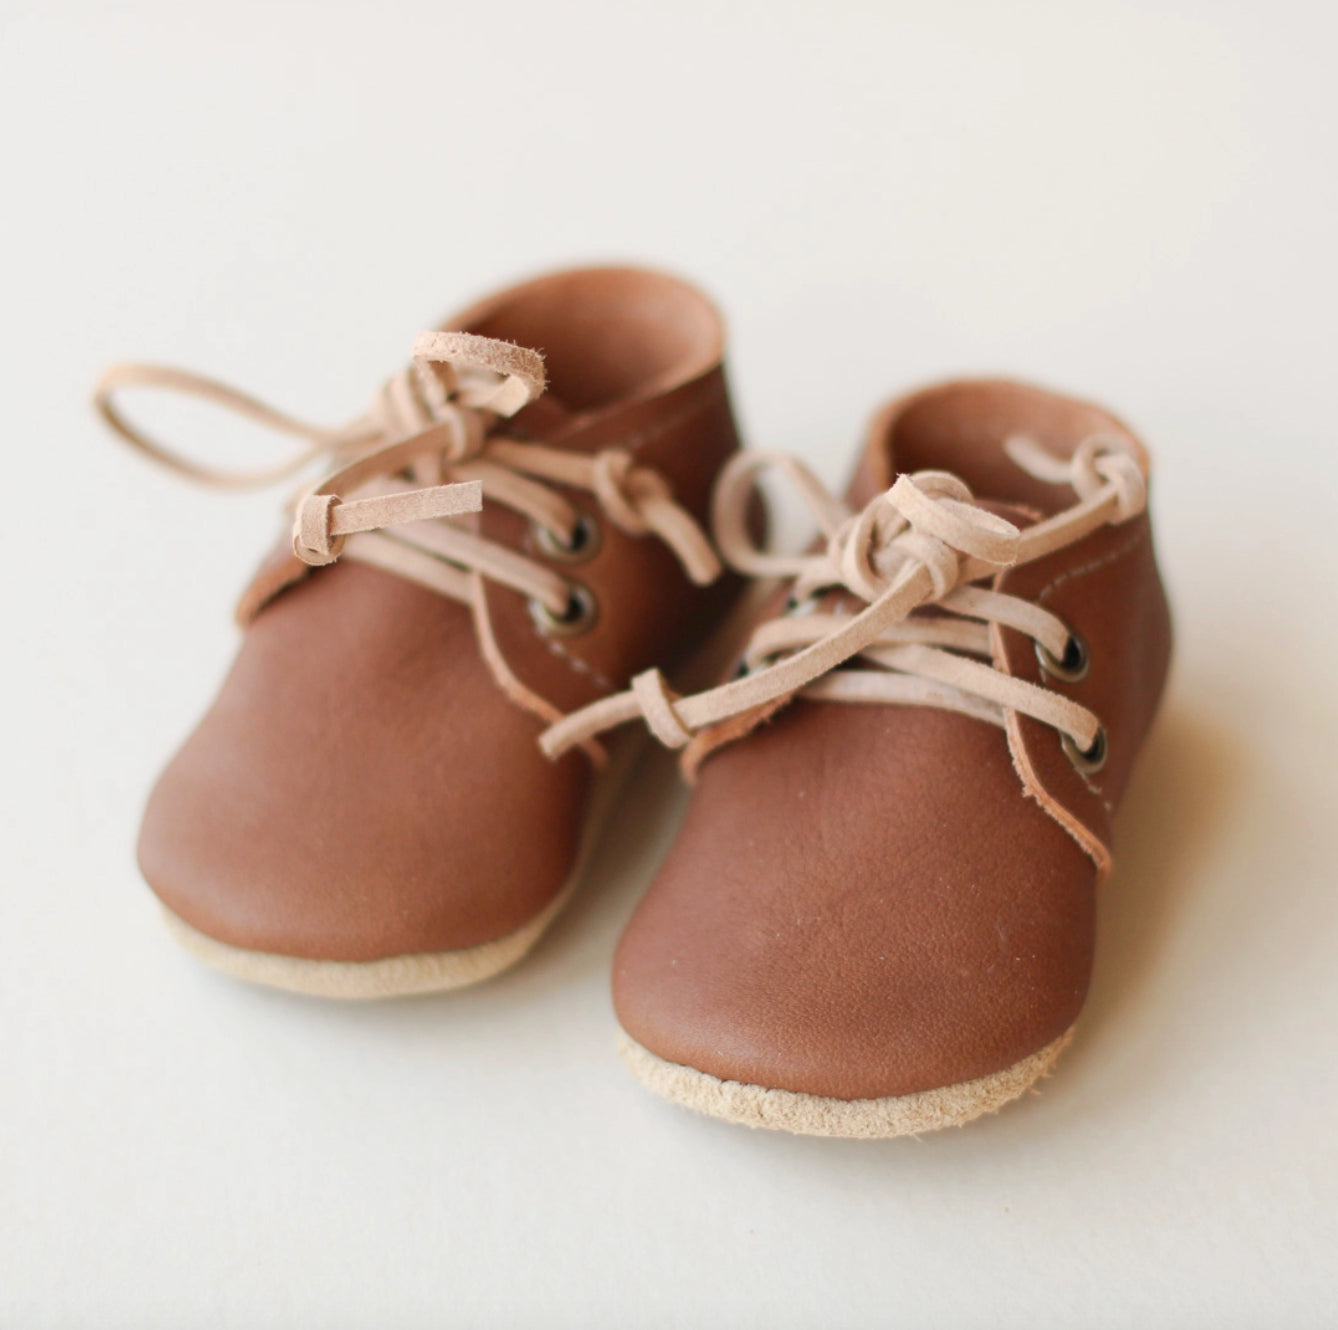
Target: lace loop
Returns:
[[940, 505], [313, 541], [656, 701], [1101, 463], [324, 519], [730, 504], [319, 442], [1119, 469], [926, 519], [862, 549], [623, 490], [486, 374]]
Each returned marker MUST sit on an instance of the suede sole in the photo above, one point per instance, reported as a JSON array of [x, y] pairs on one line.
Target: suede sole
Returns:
[[815, 1115], [393, 976], [418, 972]]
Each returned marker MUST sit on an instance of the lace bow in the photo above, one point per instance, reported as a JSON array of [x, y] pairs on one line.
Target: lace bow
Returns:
[[923, 543], [427, 448]]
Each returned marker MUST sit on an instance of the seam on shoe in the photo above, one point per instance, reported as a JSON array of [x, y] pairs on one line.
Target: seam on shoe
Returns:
[[1082, 570], [555, 648], [639, 438], [577, 663]]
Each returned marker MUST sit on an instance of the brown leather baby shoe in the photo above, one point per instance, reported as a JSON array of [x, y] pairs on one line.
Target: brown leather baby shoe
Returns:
[[878, 917], [364, 810]]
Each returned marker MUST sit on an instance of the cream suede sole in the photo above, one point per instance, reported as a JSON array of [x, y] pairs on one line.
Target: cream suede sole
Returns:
[[421, 972], [395, 976], [814, 1115]]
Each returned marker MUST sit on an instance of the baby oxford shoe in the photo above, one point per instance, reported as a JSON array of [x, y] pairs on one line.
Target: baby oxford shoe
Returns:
[[878, 917], [504, 536]]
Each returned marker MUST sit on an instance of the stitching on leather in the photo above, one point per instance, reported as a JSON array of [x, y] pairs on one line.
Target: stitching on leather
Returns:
[[580, 665], [640, 438], [1084, 569], [555, 648], [1095, 792]]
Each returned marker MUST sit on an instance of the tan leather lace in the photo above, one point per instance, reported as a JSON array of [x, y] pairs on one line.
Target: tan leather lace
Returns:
[[425, 450], [924, 542]]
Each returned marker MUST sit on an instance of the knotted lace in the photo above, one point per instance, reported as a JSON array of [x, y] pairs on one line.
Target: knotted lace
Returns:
[[427, 448], [923, 543]]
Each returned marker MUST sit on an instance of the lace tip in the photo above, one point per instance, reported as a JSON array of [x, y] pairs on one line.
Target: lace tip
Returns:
[[464, 496]]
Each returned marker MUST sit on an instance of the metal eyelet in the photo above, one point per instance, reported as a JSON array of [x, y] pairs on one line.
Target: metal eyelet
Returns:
[[579, 616], [1074, 665], [584, 543], [1089, 759]]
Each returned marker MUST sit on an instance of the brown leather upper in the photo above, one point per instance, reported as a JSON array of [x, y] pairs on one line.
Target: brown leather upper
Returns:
[[875, 900], [361, 788]]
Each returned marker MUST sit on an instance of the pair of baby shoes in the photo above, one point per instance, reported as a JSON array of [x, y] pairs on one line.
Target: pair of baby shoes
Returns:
[[906, 744]]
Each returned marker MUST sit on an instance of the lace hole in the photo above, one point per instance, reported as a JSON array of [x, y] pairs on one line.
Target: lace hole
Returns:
[[1090, 759], [1074, 664], [578, 617], [584, 543], [798, 609]]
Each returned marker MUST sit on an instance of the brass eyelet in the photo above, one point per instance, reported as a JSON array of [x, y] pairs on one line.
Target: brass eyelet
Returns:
[[579, 616], [1075, 663], [1090, 759], [584, 543]]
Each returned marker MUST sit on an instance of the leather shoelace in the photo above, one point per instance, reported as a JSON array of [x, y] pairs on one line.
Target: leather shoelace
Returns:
[[923, 543], [425, 450]]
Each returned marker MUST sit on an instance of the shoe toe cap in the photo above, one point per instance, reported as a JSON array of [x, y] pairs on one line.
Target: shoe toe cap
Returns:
[[820, 950], [376, 798]]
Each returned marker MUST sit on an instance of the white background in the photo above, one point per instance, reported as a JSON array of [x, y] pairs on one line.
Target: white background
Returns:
[[1133, 202]]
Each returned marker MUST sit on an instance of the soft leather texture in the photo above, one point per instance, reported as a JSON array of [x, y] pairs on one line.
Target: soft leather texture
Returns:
[[361, 788], [876, 900]]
